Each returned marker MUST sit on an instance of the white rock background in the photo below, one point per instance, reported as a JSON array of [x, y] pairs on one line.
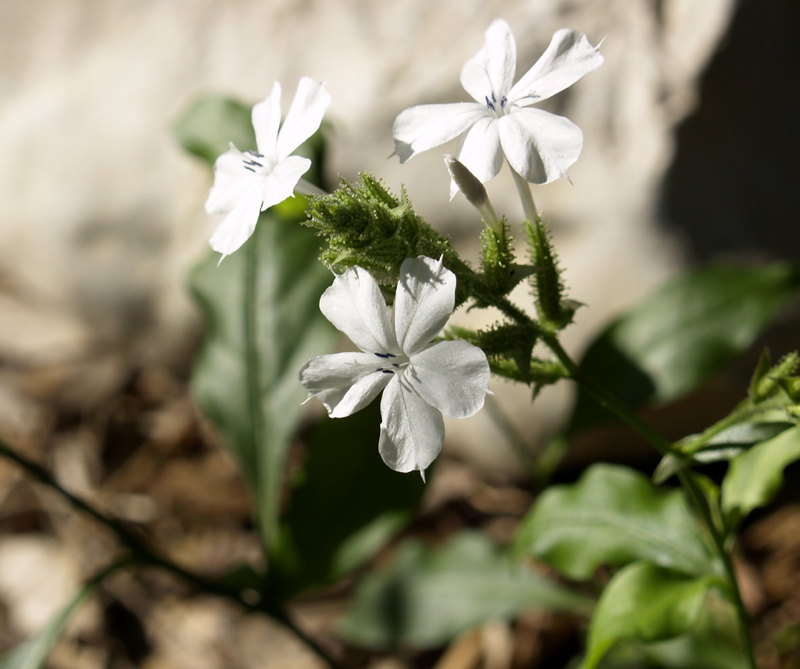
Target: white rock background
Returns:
[[102, 213]]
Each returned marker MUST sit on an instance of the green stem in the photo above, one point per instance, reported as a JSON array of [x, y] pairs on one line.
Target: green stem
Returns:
[[524, 189], [142, 554], [664, 447]]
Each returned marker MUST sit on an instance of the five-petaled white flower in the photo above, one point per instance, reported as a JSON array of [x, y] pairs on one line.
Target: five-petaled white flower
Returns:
[[246, 184], [538, 145], [421, 381]]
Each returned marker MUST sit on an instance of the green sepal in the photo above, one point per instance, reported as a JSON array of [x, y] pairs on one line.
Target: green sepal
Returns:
[[766, 383], [546, 285], [540, 373], [500, 273], [500, 339]]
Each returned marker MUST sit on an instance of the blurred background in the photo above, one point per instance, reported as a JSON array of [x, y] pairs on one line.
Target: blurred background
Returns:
[[692, 131]]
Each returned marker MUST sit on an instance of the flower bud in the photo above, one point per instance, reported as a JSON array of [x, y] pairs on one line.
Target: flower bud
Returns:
[[474, 191]]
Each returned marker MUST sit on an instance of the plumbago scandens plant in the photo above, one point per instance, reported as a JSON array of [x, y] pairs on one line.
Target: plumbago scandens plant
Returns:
[[668, 592]]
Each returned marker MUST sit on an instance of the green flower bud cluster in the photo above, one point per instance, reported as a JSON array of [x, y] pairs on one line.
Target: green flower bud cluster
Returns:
[[364, 224]]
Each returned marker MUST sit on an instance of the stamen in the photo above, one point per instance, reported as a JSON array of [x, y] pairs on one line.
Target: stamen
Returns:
[[386, 355], [503, 101], [247, 167], [489, 104], [387, 371]]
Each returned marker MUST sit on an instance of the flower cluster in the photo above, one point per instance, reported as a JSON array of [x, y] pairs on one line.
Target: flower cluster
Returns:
[[421, 380]]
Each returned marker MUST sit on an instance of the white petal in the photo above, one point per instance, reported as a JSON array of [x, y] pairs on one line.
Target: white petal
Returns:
[[354, 305], [540, 146], [412, 431], [231, 181], [491, 70], [236, 228], [266, 120], [568, 57], [452, 376], [426, 294], [479, 150], [344, 382], [421, 128], [280, 183], [304, 117]]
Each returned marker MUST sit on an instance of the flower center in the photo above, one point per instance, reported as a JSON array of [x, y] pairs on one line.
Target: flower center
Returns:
[[255, 162], [497, 108], [392, 363]]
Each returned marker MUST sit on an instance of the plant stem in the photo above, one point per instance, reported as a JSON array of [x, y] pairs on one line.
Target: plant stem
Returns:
[[664, 447], [528, 205], [142, 554]]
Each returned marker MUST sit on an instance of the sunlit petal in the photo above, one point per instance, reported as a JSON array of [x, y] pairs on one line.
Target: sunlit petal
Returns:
[[540, 146], [304, 117], [424, 301], [231, 181], [421, 128], [344, 382], [266, 120], [412, 431], [488, 75], [452, 376], [280, 183], [568, 57], [236, 228], [480, 152], [355, 306]]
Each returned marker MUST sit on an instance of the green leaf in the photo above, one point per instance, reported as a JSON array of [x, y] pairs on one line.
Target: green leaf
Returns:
[[713, 642], [347, 505], [263, 323], [612, 516], [32, 654], [645, 603], [755, 477], [675, 340], [211, 123], [426, 597]]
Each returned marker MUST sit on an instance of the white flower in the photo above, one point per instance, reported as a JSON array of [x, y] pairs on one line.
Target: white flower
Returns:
[[538, 145], [421, 381], [246, 184]]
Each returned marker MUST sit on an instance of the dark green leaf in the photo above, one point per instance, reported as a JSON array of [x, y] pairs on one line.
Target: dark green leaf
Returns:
[[262, 310], [613, 516], [756, 476], [667, 346], [426, 597], [348, 503], [646, 603], [211, 123]]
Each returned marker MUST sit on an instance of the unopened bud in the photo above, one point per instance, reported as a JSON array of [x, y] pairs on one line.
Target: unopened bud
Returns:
[[474, 191]]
